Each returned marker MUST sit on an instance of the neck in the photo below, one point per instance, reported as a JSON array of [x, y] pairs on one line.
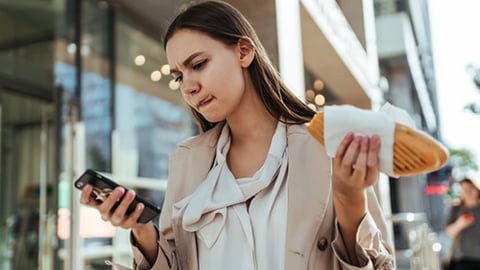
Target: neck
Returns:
[[251, 121], [255, 128]]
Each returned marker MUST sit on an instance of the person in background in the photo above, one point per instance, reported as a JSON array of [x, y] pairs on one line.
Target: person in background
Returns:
[[463, 226], [254, 190]]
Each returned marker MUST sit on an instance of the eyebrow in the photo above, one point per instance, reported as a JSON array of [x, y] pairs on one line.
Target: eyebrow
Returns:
[[186, 61]]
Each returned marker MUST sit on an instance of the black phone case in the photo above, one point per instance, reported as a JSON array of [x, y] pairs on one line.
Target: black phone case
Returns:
[[102, 187]]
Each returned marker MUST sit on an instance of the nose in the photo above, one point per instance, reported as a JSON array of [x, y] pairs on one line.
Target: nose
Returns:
[[189, 85]]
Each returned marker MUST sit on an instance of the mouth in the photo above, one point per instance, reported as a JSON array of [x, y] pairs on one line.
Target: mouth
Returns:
[[204, 102]]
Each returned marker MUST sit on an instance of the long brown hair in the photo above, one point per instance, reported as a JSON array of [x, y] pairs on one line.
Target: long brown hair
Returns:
[[224, 23]]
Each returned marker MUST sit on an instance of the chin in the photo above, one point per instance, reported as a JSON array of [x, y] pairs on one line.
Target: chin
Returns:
[[213, 118]]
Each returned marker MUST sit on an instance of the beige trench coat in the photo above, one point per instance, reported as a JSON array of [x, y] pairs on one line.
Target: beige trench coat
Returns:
[[313, 241]]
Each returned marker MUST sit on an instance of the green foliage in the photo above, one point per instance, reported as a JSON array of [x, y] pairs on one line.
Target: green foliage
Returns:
[[463, 160]]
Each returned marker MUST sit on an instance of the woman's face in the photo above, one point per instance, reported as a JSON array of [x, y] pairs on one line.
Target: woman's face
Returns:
[[210, 73], [469, 191]]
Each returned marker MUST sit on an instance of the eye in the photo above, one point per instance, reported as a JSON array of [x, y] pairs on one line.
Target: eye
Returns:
[[199, 65], [178, 78]]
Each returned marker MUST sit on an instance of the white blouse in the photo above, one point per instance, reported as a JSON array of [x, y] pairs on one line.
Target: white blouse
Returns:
[[230, 235]]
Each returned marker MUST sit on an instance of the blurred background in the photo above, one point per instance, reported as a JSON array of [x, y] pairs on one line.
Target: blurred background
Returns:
[[85, 84]]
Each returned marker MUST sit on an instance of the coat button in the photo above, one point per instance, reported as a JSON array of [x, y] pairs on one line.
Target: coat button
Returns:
[[322, 243]]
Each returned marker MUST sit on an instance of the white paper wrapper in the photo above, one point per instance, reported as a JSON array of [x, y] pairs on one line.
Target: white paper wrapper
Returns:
[[341, 119]]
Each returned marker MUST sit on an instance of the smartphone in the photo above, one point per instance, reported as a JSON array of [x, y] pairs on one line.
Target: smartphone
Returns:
[[103, 187]]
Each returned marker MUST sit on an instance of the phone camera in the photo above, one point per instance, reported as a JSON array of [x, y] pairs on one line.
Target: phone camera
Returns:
[[79, 184]]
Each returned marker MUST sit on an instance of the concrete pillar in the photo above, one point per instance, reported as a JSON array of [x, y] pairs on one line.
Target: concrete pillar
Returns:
[[290, 52]]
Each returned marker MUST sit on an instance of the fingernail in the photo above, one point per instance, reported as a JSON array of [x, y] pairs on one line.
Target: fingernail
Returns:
[[87, 188], [118, 191], [130, 194]]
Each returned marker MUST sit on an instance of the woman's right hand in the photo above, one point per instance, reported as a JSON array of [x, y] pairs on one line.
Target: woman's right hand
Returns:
[[145, 234], [465, 220], [115, 215], [462, 222]]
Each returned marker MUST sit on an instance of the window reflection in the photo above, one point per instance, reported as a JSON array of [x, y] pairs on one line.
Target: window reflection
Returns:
[[150, 118], [96, 92]]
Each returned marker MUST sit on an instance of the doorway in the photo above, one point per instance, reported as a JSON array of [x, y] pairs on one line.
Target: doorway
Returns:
[[27, 181]]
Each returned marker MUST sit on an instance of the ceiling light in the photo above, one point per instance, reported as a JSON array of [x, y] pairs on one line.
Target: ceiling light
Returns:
[[165, 69], [155, 75], [140, 60], [173, 84], [318, 85], [319, 100]]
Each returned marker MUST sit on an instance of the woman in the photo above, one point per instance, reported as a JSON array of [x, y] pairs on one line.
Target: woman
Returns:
[[254, 190], [463, 225]]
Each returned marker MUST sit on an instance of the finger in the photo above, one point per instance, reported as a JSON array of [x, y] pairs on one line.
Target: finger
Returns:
[[86, 192], [106, 207], [373, 151], [119, 215], [105, 216], [373, 160], [360, 164], [342, 148], [134, 216], [352, 152]]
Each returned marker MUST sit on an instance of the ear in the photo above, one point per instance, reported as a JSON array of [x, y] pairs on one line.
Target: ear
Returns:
[[246, 51]]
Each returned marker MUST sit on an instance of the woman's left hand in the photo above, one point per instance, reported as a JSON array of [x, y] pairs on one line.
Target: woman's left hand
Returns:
[[355, 167]]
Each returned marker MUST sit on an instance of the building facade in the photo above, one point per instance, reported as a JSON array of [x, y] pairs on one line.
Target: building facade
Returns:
[[406, 62]]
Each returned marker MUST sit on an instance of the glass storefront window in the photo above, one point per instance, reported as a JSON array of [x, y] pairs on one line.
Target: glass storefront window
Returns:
[[131, 117], [96, 92], [28, 134], [150, 114], [26, 42]]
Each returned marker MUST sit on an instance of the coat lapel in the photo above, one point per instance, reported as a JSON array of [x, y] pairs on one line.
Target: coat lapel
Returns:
[[309, 174], [196, 157]]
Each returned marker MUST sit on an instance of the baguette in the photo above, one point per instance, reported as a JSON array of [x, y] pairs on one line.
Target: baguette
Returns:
[[414, 152]]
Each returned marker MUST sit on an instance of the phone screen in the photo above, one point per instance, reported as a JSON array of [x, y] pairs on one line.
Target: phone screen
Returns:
[[103, 187]]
